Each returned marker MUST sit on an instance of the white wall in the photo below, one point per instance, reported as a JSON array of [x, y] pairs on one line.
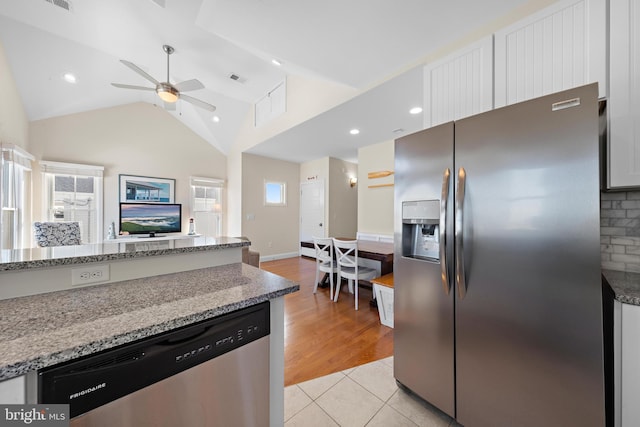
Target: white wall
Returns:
[[306, 98], [135, 139], [14, 125], [314, 170], [343, 199], [375, 205], [273, 230], [340, 199]]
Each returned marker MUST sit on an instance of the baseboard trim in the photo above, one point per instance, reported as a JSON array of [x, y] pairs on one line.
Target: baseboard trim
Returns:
[[279, 256]]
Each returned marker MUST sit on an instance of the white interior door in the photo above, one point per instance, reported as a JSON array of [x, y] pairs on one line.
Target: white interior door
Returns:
[[312, 210]]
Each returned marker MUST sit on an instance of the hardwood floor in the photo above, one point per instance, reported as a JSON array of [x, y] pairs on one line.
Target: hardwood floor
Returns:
[[322, 337]]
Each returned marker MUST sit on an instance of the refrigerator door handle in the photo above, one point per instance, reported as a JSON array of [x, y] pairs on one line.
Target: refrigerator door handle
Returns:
[[444, 197], [460, 274]]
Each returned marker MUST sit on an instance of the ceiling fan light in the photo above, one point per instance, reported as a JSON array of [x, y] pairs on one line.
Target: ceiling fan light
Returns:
[[167, 93]]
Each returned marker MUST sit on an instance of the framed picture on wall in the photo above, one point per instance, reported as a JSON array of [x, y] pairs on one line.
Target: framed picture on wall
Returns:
[[147, 189]]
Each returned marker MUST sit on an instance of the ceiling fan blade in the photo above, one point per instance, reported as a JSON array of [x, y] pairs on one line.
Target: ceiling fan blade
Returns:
[[187, 85], [140, 71], [197, 102], [121, 86], [170, 106]]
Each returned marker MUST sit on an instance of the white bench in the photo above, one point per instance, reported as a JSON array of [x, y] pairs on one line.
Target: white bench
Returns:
[[383, 288]]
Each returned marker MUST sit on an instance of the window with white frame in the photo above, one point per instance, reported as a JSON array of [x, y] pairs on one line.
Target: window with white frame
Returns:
[[275, 193], [15, 197], [206, 205], [73, 192]]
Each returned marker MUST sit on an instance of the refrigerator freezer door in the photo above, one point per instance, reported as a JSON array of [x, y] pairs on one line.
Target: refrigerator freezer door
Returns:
[[529, 329], [423, 307]]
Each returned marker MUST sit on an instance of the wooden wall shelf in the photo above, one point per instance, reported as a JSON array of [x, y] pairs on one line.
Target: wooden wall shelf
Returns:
[[379, 174], [381, 185]]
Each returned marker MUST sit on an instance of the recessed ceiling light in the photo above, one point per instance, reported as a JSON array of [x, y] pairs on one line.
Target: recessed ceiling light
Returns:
[[215, 119], [415, 110], [69, 77], [276, 62], [354, 131]]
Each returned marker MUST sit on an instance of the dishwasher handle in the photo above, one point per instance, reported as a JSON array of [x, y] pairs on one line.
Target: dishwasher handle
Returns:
[[185, 336], [120, 360]]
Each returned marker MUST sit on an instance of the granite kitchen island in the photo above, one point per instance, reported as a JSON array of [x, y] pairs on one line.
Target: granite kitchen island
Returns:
[[148, 290]]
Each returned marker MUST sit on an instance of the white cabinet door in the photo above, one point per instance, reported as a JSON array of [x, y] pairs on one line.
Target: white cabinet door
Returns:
[[13, 391], [561, 47], [459, 85], [624, 99], [630, 365]]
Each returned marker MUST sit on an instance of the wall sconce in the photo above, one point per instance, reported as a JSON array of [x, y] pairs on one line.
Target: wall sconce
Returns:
[[353, 182]]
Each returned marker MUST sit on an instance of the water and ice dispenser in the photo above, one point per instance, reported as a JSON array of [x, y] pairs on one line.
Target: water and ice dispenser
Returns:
[[421, 229]]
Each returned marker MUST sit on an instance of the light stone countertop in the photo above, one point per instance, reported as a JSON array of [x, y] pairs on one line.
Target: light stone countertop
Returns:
[[43, 330], [122, 248], [625, 285]]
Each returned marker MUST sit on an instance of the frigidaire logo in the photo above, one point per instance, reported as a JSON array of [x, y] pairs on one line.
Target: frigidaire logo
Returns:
[[87, 391]]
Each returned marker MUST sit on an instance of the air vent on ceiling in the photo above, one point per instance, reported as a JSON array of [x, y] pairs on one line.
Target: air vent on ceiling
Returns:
[[237, 78], [64, 4]]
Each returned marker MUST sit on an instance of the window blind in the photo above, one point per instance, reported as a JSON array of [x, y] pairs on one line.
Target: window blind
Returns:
[[15, 154], [71, 169], [198, 181]]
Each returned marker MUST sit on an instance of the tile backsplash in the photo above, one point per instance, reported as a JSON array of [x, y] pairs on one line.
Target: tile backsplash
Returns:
[[620, 230]]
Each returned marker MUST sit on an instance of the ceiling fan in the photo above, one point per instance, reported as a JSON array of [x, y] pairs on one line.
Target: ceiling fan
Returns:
[[169, 93]]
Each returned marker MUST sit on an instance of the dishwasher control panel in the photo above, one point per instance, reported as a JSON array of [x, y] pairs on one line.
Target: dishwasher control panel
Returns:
[[247, 333], [98, 379], [200, 350]]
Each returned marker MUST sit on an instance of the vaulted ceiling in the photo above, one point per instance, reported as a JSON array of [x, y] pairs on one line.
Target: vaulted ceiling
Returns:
[[359, 44]]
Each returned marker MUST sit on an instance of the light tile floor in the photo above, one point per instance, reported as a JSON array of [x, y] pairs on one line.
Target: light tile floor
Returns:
[[366, 395]]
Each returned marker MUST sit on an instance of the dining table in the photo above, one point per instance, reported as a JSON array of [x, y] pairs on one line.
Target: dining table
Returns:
[[368, 249]]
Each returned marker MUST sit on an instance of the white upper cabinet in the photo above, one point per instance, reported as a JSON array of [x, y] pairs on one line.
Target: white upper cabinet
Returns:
[[459, 85], [624, 98], [561, 47]]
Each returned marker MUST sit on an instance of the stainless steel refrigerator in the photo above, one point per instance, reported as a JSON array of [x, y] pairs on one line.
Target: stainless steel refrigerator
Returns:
[[498, 304]]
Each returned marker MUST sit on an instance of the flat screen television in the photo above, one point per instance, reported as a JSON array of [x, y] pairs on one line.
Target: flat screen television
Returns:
[[150, 218]]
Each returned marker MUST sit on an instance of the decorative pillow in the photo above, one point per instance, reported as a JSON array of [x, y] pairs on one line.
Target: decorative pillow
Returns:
[[57, 233]]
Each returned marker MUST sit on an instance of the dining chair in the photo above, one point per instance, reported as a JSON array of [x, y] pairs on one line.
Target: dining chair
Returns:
[[324, 261], [57, 233], [348, 268]]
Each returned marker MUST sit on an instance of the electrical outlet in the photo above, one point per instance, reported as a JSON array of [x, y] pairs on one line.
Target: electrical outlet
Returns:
[[89, 274]]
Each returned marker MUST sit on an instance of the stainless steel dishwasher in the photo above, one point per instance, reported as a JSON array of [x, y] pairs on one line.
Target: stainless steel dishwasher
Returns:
[[214, 373]]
